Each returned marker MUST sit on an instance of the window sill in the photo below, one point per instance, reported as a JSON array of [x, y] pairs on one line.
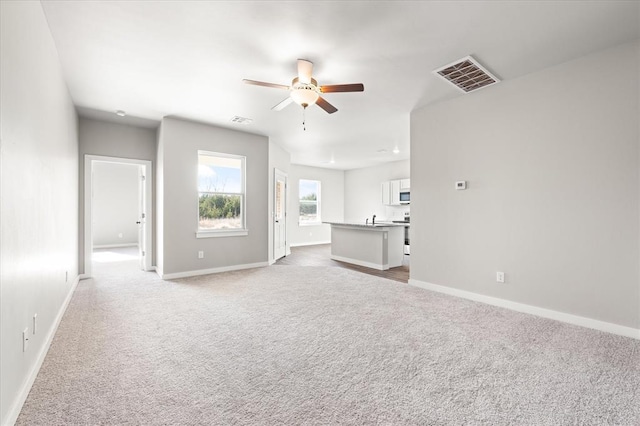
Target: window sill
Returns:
[[222, 233], [309, 223]]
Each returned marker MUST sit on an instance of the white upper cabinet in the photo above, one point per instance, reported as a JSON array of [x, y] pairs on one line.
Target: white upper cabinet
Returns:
[[386, 193], [395, 193], [391, 191]]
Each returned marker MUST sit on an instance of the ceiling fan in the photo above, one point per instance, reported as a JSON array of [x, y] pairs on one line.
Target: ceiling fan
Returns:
[[305, 91]]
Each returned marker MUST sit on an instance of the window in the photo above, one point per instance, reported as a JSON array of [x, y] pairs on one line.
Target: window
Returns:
[[221, 194], [309, 202]]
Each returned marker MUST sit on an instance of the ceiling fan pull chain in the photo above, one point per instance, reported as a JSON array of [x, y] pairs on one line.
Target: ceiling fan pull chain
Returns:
[[304, 119]]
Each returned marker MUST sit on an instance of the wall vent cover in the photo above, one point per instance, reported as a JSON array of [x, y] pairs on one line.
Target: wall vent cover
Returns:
[[240, 120], [467, 75]]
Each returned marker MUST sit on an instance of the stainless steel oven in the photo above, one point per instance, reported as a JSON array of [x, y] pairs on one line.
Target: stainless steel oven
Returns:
[[406, 221], [407, 242]]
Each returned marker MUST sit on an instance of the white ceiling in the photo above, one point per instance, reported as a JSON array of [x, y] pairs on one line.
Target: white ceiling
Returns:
[[187, 59]]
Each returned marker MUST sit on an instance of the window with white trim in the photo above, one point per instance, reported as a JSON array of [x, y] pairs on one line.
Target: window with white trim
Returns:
[[309, 200], [221, 194]]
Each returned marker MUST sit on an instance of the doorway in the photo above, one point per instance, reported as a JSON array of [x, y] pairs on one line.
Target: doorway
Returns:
[[279, 215], [117, 211]]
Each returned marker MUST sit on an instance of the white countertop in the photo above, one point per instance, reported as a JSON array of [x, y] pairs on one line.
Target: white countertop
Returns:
[[364, 225]]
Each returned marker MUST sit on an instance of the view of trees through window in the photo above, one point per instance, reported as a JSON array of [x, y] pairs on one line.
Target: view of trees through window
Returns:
[[309, 201], [220, 191]]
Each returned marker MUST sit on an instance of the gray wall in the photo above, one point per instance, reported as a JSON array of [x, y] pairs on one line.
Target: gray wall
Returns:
[[363, 192], [114, 140], [178, 161], [552, 163], [116, 202], [331, 204], [39, 202], [281, 160]]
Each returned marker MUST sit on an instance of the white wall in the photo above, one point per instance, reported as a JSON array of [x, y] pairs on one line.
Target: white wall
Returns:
[[281, 160], [115, 140], [363, 192], [116, 204], [331, 204], [39, 197], [552, 164], [178, 148]]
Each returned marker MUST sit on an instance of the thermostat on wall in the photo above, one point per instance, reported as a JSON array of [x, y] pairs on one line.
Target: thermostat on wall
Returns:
[[461, 184]]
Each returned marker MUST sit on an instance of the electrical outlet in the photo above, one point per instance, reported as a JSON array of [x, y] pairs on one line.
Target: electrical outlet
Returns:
[[500, 277], [25, 339], [200, 254], [35, 323]]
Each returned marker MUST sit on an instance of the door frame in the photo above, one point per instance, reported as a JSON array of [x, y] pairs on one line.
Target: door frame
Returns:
[[88, 205], [277, 172]]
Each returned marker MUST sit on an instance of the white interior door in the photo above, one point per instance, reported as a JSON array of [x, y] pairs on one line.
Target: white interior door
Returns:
[[142, 217], [280, 215]]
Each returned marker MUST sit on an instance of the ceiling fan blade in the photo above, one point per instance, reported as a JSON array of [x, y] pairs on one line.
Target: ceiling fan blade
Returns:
[[282, 104], [322, 103], [262, 83], [356, 87], [304, 71]]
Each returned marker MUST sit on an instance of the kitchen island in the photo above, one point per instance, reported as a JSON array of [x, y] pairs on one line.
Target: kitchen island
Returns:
[[379, 246]]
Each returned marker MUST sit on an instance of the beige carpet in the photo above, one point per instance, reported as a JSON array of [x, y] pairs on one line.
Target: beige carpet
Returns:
[[291, 345]]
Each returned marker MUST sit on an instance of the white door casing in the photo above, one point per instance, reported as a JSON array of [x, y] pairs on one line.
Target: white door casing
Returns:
[[145, 242], [279, 215]]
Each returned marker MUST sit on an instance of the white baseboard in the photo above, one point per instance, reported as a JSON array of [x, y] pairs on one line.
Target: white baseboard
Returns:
[[608, 327], [103, 246], [315, 243], [211, 270], [15, 409], [360, 263]]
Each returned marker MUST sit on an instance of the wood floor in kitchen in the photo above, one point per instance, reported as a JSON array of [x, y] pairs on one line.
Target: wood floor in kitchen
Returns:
[[320, 255]]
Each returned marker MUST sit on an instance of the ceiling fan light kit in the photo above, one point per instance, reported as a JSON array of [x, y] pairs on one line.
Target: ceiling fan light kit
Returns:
[[304, 94]]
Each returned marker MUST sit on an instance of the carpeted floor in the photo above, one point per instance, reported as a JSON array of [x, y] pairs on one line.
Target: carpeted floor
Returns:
[[295, 345]]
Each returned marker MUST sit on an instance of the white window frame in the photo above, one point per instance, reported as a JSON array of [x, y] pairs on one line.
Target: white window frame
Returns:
[[318, 220], [213, 233]]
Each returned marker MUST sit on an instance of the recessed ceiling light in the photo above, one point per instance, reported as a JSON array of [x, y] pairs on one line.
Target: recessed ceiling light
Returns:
[[120, 113], [396, 150], [332, 161]]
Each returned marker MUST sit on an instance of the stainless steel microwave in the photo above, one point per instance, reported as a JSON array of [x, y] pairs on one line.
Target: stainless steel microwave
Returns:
[[405, 197]]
